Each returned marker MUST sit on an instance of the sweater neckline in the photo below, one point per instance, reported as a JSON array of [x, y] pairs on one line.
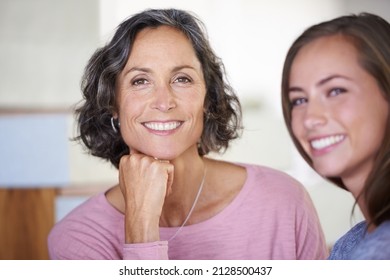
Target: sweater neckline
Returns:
[[220, 215]]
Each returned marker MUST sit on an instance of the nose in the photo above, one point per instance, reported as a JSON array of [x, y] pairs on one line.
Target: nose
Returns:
[[315, 114], [163, 99]]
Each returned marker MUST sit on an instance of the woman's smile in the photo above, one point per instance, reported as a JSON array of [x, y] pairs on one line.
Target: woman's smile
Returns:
[[162, 127], [325, 144]]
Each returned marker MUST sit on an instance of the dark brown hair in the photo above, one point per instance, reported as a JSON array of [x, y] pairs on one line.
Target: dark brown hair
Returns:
[[370, 35], [222, 119]]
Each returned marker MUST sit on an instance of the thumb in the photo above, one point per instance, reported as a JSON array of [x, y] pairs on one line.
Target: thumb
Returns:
[[170, 171], [133, 151]]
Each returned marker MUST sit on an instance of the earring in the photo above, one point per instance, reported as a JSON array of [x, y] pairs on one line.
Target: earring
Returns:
[[113, 125]]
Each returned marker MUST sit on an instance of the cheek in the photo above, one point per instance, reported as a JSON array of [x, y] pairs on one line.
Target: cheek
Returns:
[[296, 125], [195, 105], [130, 107], [298, 130], [199, 120]]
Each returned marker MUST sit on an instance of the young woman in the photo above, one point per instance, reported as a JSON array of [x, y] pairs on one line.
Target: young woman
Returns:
[[156, 102], [336, 96]]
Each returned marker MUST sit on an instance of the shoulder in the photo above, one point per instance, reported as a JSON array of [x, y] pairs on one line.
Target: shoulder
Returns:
[[375, 245], [274, 181], [94, 209], [271, 190], [269, 173], [348, 242], [284, 201], [253, 178], [280, 193], [76, 236]]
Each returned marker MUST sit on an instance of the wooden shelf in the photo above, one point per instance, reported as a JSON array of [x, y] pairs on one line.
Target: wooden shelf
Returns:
[[26, 218]]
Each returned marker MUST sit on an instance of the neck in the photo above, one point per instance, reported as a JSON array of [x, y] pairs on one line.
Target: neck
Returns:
[[355, 185], [188, 180]]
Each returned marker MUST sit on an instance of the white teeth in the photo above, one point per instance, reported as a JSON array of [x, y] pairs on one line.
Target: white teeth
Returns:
[[162, 126], [326, 142]]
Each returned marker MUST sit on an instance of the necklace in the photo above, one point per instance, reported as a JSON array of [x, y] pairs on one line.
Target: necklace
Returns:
[[192, 207]]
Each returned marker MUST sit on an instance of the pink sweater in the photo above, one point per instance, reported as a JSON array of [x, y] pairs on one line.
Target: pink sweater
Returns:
[[271, 218]]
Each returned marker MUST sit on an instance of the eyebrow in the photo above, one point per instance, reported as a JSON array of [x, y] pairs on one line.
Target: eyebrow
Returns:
[[178, 68], [327, 79], [321, 82], [140, 69], [148, 70]]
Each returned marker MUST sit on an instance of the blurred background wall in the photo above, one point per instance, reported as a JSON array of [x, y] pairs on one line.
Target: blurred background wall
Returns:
[[45, 44]]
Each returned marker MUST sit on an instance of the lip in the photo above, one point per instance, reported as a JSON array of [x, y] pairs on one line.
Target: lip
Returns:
[[162, 128], [323, 144]]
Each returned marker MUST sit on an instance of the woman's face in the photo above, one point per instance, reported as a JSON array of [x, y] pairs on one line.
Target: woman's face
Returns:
[[339, 114], [161, 92]]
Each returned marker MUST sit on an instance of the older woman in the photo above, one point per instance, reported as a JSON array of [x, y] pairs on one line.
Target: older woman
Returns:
[[156, 103]]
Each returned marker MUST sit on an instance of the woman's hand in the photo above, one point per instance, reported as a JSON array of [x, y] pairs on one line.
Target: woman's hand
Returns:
[[144, 182]]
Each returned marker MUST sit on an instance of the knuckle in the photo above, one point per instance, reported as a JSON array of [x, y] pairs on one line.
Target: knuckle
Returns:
[[123, 159]]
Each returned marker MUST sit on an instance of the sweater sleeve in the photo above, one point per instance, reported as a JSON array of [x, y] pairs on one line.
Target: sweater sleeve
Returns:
[[146, 251], [310, 241], [84, 244], [296, 224], [94, 231]]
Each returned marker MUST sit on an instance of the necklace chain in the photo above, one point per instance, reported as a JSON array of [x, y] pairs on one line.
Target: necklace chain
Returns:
[[192, 207]]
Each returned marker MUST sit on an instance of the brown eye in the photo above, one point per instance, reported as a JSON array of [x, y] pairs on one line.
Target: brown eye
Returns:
[[183, 80], [139, 82]]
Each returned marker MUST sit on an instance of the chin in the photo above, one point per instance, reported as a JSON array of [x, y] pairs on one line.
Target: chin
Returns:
[[171, 152], [327, 172], [164, 156]]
